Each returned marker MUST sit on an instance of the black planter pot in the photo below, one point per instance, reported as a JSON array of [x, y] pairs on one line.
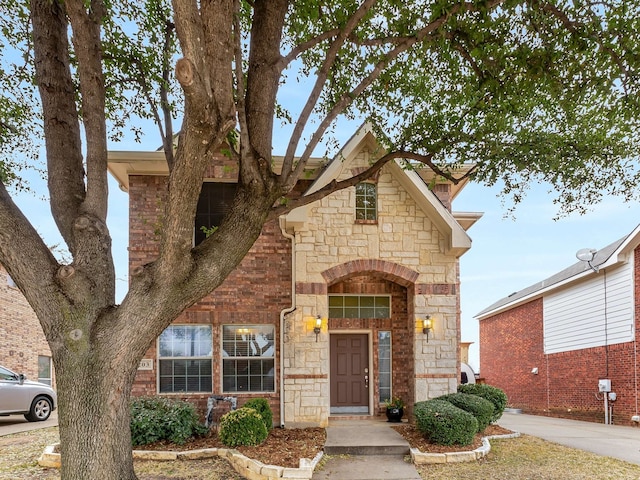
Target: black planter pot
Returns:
[[394, 414]]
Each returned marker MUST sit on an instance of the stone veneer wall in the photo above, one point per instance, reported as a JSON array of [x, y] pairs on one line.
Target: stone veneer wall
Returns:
[[21, 337], [403, 246]]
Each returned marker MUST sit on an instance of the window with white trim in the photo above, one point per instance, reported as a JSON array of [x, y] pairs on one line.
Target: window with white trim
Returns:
[[384, 365], [248, 363], [366, 202], [359, 306], [185, 359]]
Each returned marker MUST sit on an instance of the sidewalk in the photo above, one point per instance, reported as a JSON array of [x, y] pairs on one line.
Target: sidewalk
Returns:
[[613, 441], [17, 423], [365, 450]]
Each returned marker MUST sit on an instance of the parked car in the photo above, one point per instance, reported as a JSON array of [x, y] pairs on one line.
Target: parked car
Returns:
[[18, 395]]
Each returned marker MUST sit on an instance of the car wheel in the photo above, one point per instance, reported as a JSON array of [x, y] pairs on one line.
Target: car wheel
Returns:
[[40, 410]]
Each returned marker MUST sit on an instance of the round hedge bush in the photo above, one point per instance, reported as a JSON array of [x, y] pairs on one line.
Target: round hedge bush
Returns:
[[261, 405], [244, 426], [493, 394], [477, 406], [445, 424]]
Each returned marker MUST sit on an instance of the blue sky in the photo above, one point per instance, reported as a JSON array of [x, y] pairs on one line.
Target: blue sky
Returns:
[[507, 254]]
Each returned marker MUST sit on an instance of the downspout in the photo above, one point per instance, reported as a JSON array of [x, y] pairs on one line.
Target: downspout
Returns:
[[286, 311]]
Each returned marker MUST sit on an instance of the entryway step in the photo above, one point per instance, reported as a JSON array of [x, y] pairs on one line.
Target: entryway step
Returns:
[[366, 450], [364, 437]]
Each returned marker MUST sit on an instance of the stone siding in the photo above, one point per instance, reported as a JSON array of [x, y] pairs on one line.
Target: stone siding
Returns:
[[403, 247]]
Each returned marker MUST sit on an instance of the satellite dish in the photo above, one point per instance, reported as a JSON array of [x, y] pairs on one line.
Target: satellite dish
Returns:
[[586, 254]]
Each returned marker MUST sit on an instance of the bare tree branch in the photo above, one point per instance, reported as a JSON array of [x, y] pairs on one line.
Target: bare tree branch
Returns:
[[61, 125], [348, 97], [312, 100]]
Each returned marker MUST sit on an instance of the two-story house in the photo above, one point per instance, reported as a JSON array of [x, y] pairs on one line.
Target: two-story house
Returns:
[[568, 346], [326, 315]]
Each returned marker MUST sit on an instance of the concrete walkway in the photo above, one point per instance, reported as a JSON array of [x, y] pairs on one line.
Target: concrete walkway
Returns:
[[365, 450], [613, 441], [17, 423]]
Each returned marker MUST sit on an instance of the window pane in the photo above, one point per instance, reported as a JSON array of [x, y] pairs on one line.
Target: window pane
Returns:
[[367, 312], [336, 301], [352, 301]]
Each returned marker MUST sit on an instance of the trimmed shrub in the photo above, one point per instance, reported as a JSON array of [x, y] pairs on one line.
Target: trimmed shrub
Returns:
[[244, 426], [477, 406], [157, 418], [261, 405], [445, 424], [493, 394]]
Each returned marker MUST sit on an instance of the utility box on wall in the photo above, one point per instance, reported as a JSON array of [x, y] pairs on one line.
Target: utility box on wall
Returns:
[[604, 385]]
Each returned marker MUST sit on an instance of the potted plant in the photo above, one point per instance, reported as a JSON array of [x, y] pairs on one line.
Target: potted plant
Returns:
[[395, 409]]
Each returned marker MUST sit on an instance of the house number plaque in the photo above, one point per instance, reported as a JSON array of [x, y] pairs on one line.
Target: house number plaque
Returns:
[[146, 364]]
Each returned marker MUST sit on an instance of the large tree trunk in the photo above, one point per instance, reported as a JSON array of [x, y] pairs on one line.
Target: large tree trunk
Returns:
[[94, 415]]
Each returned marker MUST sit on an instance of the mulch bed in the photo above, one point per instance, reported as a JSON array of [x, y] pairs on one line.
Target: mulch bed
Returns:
[[286, 446], [283, 447]]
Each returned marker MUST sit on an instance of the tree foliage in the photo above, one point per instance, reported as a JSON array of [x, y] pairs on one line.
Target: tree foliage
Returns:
[[527, 90]]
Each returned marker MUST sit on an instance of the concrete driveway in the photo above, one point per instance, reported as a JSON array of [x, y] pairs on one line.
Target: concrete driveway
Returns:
[[614, 441], [17, 424]]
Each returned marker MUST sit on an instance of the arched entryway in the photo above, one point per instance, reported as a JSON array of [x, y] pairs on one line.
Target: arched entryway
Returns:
[[371, 331]]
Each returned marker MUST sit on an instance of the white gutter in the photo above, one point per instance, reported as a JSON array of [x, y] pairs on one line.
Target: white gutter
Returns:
[[286, 311]]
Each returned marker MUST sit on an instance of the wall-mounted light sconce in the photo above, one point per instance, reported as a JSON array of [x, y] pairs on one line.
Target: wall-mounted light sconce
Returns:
[[317, 326], [534, 370], [427, 325]]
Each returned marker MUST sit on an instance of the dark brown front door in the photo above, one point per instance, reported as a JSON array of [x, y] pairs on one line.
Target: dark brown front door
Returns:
[[349, 373]]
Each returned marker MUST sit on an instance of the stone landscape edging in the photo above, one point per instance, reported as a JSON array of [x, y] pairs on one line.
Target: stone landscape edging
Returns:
[[247, 467], [421, 458], [255, 470]]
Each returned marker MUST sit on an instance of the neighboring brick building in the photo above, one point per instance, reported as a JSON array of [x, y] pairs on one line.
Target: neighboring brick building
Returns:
[[549, 345], [23, 347], [371, 261]]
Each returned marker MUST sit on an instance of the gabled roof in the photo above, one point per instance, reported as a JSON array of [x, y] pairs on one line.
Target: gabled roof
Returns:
[[613, 254], [458, 242]]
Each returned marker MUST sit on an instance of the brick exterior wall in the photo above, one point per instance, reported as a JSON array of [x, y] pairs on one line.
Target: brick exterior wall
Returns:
[[511, 345], [21, 337], [254, 293]]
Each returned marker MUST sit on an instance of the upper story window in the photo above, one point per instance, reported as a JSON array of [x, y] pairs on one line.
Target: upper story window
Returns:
[[185, 359], [366, 202], [214, 203]]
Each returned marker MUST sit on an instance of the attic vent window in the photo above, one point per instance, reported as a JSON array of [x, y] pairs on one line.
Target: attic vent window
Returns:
[[366, 202]]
